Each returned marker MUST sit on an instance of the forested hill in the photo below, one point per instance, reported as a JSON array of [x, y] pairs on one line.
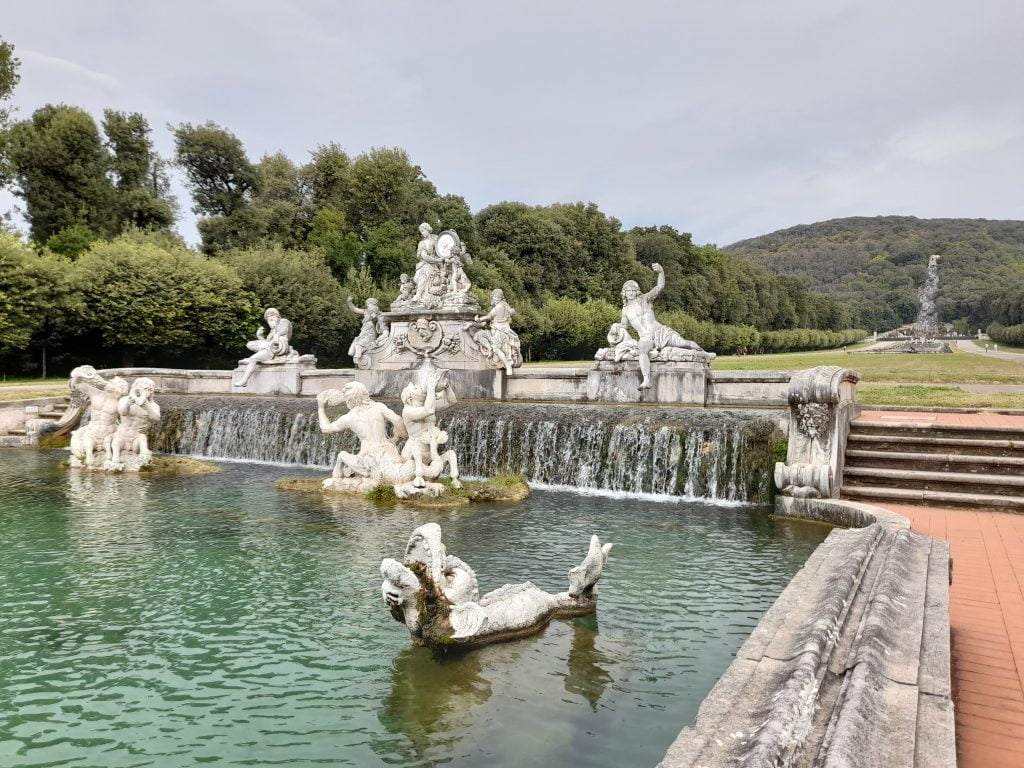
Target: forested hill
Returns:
[[877, 263]]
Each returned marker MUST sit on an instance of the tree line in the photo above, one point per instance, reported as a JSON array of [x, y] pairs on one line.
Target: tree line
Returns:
[[104, 277]]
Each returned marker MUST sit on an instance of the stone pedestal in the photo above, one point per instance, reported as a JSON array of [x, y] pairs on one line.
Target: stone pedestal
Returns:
[[273, 378], [440, 335], [671, 382]]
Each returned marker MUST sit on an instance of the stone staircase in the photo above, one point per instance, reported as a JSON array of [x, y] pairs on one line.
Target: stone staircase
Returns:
[[24, 435], [937, 464]]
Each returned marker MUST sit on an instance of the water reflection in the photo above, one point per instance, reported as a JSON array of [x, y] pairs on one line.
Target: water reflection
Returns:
[[587, 677]]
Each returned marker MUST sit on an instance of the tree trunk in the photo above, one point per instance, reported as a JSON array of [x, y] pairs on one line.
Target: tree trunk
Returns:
[[44, 360]]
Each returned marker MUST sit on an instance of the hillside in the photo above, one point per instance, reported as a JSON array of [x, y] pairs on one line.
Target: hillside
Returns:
[[877, 264]]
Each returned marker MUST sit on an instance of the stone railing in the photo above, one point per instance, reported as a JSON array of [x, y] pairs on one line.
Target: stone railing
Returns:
[[849, 667]]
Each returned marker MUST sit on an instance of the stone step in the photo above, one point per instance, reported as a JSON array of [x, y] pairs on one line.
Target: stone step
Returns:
[[936, 462], [975, 483], [932, 497], [955, 431], [17, 432], [934, 444]]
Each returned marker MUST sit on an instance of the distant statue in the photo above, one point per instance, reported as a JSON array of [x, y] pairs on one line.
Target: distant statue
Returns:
[[638, 312], [274, 347], [406, 293], [372, 332], [429, 277], [495, 337], [380, 430], [103, 397], [136, 413], [437, 595]]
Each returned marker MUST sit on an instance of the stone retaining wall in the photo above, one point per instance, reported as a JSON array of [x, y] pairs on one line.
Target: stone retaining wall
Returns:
[[849, 667]]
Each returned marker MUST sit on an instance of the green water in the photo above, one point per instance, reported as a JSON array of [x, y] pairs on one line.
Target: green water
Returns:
[[173, 622]]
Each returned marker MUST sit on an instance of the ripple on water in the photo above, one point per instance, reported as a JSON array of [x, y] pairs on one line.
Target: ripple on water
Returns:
[[165, 622]]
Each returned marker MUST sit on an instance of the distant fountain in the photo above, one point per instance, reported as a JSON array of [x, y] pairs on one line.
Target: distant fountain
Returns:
[[926, 327]]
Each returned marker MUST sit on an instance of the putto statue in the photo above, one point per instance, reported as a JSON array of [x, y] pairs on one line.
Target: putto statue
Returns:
[[272, 348], [437, 596], [654, 337], [373, 332], [103, 398], [440, 279], [494, 335], [406, 292], [119, 417], [410, 470], [137, 412]]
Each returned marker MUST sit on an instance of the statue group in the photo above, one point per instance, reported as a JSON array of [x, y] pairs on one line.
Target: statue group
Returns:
[[412, 469], [120, 414], [273, 348]]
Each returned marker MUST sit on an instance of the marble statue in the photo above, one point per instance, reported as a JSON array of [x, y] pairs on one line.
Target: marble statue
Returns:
[[372, 333], [410, 470], [137, 412], [103, 398], [272, 348], [420, 418], [621, 346], [495, 337], [440, 279], [406, 293], [653, 336], [437, 595]]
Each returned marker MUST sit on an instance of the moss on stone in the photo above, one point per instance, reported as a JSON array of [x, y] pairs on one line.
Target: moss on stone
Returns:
[[382, 493], [301, 484], [177, 466]]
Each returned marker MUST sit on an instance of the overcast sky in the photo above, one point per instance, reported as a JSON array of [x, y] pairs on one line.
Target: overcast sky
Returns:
[[724, 118]]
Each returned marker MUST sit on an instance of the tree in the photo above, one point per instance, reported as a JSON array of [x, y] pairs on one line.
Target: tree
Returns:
[[33, 287], [386, 186], [339, 247], [217, 171], [300, 285], [59, 165], [143, 189], [9, 78], [147, 296]]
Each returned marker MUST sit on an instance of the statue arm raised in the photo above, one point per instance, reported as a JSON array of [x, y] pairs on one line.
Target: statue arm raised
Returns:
[[354, 308], [398, 430], [659, 285]]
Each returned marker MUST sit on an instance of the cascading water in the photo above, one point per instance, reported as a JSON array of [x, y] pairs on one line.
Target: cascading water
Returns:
[[722, 455], [926, 326]]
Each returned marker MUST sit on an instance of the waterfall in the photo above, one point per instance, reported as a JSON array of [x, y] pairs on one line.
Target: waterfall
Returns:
[[926, 325], [719, 454]]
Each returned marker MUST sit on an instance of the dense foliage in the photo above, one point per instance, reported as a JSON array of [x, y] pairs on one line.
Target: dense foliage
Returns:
[[104, 277], [1007, 334], [877, 265]]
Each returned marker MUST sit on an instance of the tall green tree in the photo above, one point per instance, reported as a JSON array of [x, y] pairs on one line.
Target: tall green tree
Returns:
[[217, 170], [59, 165], [9, 78], [143, 189], [33, 288]]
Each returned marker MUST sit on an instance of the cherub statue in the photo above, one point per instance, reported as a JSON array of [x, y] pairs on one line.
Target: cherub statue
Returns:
[[406, 292], [373, 331], [104, 397], [137, 412]]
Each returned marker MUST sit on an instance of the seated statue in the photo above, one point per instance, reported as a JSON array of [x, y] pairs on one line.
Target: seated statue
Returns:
[[406, 293], [638, 312], [437, 595], [136, 412], [103, 397], [372, 333], [271, 348], [495, 337]]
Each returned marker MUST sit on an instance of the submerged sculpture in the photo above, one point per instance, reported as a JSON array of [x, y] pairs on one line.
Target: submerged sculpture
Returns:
[[272, 348], [494, 335], [654, 337], [115, 437], [437, 596], [410, 470]]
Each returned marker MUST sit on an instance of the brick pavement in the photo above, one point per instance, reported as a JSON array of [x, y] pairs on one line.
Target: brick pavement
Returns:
[[986, 628]]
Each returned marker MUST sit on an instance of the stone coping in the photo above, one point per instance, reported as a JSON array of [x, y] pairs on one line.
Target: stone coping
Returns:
[[781, 377], [851, 664]]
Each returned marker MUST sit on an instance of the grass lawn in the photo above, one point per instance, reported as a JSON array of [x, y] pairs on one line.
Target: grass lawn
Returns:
[[923, 395], [33, 380], [11, 393], [1005, 348]]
